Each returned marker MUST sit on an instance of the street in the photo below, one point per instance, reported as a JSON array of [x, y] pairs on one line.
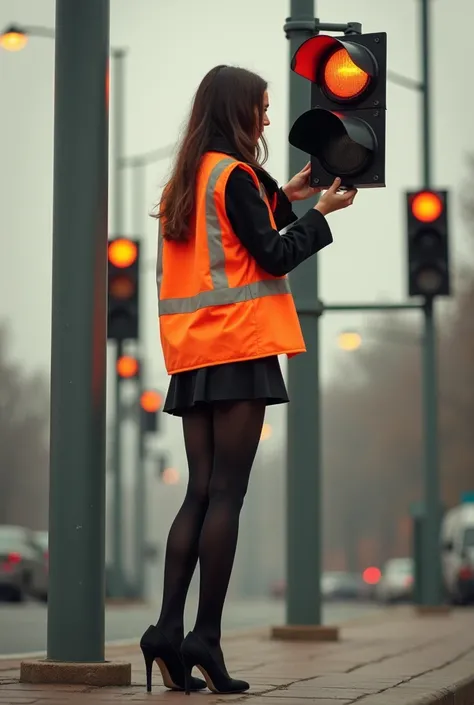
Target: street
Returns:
[[23, 627]]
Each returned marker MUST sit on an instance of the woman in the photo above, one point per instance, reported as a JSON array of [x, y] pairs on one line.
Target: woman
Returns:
[[226, 313]]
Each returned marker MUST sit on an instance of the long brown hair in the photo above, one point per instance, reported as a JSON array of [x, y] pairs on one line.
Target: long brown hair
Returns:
[[229, 103]]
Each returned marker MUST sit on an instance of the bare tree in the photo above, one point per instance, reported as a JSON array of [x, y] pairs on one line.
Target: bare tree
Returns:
[[24, 413]]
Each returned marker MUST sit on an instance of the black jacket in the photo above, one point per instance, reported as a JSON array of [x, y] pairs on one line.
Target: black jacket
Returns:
[[276, 254]]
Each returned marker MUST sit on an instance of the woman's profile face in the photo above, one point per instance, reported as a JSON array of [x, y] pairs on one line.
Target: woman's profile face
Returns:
[[266, 121]]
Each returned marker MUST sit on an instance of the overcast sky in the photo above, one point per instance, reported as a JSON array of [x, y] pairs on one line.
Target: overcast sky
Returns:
[[172, 44]]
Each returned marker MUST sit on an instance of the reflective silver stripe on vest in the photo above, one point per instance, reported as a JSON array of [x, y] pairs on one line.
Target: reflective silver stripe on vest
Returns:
[[214, 233], [221, 293]]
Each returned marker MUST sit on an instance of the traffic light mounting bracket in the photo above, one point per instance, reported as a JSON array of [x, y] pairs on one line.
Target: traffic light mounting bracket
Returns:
[[316, 26]]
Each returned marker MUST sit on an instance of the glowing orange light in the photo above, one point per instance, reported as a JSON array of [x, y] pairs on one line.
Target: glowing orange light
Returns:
[[13, 40], [150, 401], [122, 252], [121, 288], [127, 367], [266, 432], [170, 476], [342, 77], [371, 575], [427, 206]]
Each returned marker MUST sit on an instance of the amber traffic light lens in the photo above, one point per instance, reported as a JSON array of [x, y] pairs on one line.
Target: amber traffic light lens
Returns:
[[150, 401], [127, 367], [122, 253], [427, 207], [13, 41], [121, 288], [342, 77]]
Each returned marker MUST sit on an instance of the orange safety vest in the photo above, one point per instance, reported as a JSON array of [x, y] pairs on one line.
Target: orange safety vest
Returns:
[[216, 305]]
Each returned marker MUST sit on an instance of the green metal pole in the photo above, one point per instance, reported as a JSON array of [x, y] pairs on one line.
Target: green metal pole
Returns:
[[140, 500], [303, 601], [431, 584], [78, 340], [117, 587], [118, 98]]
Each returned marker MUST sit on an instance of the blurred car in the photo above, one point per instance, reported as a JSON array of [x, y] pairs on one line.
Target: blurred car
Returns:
[[335, 585], [22, 568], [40, 539], [397, 581], [339, 585]]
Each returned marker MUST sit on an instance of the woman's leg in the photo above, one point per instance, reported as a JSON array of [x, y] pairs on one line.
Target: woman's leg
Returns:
[[237, 429], [183, 540]]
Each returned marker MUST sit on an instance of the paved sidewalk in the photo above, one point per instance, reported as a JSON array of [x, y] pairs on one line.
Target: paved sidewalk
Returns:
[[396, 658]]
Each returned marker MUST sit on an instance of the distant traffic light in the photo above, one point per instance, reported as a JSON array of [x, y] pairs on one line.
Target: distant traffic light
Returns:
[[344, 131], [123, 289], [150, 404], [428, 243], [128, 367]]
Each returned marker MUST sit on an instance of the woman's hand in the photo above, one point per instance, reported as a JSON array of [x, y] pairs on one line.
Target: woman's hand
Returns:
[[298, 188], [332, 200]]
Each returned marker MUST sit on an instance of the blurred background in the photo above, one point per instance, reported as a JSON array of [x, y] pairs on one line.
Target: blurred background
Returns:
[[371, 363]]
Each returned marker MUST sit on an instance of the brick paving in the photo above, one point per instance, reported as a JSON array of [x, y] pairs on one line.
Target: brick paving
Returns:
[[396, 658]]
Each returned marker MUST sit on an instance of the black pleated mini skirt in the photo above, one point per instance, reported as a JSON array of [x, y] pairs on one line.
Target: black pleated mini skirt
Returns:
[[234, 381]]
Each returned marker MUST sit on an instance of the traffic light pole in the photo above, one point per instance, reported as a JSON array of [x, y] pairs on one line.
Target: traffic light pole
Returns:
[[431, 593], [303, 601], [117, 587], [303, 486], [78, 341], [140, 500]]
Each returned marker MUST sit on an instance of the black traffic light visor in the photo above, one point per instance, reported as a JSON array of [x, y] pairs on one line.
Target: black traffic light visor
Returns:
[[343, 145], [311, 58]]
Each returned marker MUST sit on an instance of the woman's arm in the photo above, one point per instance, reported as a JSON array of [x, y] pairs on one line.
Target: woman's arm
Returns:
[[276, 254], [283, 211]]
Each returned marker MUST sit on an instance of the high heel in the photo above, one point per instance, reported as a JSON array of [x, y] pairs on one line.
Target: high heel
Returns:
[[195, 652], [156, 647]]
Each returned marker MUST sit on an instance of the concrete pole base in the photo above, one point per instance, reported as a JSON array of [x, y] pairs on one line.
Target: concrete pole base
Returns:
[[433, 610], [302, 632], [95, 674]]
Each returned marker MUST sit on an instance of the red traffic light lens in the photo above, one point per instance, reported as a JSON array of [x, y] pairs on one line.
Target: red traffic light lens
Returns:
[[426, 206], [121, 288], [122, 253], [127, 367], [342, 77], [150, 401]]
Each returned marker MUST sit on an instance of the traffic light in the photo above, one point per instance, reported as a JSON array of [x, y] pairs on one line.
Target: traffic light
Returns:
[[150, 405], [128, 367], [344, 131], [123, 289], [428, 243]]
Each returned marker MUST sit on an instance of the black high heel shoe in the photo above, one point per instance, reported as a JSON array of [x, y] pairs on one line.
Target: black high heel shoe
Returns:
[[195, 652], [156, 646]]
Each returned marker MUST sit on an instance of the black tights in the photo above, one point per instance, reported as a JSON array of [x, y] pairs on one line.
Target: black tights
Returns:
[[221, 442]]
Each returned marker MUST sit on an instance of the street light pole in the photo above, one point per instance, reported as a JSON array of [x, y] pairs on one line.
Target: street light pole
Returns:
[[78, 346], [10, 42]]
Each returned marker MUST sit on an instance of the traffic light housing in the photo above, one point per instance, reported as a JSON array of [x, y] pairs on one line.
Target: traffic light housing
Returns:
[[344, 131], [151, 402], [123, 289], [428, 243]]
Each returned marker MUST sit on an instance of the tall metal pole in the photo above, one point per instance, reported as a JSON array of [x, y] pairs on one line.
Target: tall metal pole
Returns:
[[118, 97], [431, 585], [140, 512], [303, 601], [78, 341]]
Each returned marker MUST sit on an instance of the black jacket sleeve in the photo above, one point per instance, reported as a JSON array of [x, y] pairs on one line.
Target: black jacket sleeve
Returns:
[[283, 212], [276, 254]]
